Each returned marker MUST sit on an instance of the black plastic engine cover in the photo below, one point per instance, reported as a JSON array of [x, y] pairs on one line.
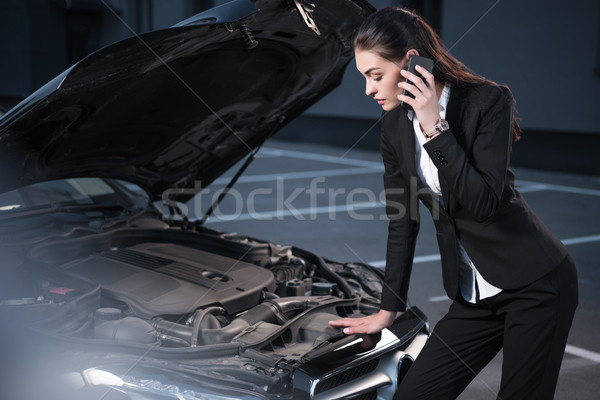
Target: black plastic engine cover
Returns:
[[161, 279]]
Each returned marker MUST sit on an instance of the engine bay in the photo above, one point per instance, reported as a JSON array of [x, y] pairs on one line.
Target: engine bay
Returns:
[[173, 289]]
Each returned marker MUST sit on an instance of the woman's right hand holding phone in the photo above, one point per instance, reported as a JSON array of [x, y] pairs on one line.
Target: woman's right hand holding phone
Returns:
[[425, 102]]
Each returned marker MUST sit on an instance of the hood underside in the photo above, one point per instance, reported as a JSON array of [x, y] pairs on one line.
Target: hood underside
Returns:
[[178, 106]]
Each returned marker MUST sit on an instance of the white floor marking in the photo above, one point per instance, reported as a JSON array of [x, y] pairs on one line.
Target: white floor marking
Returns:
[[536, 186], [436, 299], [583, 353], [524, 185], [301, 214], [320, 157], [582, 239], [436, 257], [302, 175], [416, 260]]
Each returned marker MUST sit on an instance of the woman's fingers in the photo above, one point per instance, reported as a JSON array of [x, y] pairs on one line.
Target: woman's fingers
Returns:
[[425, 102], [418, 85], [427, 75], [424, 85], [419, 100], [415, 80], [370, 324], [344, 322], [348, 325], [412, 89]]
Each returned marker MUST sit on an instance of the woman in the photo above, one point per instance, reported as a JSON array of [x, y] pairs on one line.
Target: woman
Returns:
[[513, 284]]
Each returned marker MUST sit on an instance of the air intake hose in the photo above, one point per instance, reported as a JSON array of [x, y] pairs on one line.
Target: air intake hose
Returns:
[[109, 325], [272, 311]]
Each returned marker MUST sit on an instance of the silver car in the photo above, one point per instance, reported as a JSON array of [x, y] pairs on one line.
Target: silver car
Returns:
[[109, 290]]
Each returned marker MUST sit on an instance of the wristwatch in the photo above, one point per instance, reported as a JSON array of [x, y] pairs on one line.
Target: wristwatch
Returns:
[[441, 126]]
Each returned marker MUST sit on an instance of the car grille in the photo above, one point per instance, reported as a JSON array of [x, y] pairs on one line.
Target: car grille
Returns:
[[347, 376]]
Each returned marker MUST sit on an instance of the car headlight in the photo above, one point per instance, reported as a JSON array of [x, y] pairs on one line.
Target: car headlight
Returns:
[[136, 388]]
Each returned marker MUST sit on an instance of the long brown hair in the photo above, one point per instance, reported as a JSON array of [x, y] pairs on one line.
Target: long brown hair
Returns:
[[392, 31]]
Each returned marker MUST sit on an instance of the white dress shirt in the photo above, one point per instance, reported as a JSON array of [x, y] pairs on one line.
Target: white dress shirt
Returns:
[[472, 285]]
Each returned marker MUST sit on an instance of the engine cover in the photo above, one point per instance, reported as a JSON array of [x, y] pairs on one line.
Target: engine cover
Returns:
[[163, 278]]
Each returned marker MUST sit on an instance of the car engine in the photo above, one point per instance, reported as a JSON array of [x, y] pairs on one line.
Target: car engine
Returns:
[[160, 287]]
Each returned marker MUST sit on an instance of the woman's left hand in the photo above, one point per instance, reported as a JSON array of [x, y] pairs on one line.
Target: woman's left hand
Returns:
[[425, 102]]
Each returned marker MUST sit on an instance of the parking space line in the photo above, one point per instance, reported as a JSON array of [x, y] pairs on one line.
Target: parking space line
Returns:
[[538, 186], [531, 187], [427, 258], [526, 186], [436, 257], [416, 260], [302, 175], [522, 186], [436, 299], [320, 157], [583, 353], [300, 213], [582, 239], [377, 264]]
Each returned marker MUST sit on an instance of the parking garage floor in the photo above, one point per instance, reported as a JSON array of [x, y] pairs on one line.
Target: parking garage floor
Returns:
[[328, 200]]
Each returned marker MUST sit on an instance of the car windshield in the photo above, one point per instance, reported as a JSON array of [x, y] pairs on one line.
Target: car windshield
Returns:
[[76, 192]]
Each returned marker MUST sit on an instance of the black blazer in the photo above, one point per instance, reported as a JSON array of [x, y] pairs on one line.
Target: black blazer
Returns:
[[506, 241]]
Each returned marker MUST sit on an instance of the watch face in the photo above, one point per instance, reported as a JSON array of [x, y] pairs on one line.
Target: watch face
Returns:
[[442, 126]]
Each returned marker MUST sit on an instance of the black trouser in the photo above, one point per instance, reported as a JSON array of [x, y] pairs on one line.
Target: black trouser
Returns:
[[530, 324]]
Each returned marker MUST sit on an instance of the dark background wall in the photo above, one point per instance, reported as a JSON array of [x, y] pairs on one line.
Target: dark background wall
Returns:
[[41, 38], [547, 52]]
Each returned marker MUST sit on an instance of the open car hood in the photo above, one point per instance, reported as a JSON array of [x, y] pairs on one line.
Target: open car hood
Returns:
[[174, 107]]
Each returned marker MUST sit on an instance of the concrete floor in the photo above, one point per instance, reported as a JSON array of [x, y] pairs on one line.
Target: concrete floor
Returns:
[[342, 218]]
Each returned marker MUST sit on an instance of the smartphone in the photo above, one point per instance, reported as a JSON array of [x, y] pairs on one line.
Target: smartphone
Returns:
[[424, 62]]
